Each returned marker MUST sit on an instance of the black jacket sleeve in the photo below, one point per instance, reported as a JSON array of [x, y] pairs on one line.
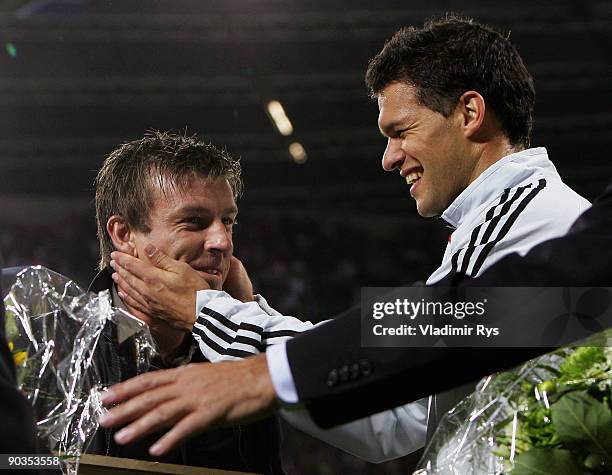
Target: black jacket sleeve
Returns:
[[339, 381]]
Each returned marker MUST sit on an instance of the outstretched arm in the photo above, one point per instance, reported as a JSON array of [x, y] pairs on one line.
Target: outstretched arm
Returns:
[[190, 399]]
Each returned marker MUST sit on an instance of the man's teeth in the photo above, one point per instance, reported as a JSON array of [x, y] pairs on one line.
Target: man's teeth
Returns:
[[211, 271], [412, 177]]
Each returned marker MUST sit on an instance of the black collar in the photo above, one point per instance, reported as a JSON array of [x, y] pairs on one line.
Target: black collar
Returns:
[[102, 281]]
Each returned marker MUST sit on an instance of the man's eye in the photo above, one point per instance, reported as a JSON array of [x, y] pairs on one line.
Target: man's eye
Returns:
[[194, 220], [230, 221]]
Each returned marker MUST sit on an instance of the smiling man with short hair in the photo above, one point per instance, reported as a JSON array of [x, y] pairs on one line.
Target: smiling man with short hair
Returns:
[[178, 193], [455, 104]]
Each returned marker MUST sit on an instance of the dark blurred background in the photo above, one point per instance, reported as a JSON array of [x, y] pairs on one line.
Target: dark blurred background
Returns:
[[78, 77]]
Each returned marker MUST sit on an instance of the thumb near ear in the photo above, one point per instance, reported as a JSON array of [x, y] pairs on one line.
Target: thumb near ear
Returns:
[[157, 257]]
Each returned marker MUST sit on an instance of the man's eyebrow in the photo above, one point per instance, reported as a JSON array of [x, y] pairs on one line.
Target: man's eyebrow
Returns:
[[390, 128], [196, 209], [232, 210]]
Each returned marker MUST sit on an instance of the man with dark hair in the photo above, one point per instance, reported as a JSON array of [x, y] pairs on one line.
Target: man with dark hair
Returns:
[[449, 56], [455, 104]]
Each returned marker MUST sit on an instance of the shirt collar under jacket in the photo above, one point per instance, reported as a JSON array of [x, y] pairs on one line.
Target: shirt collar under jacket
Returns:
[[508, 172]]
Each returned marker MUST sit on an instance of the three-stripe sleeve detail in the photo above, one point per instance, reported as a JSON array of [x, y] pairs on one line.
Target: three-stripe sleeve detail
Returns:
[[228, 338], [499, 218], [508, 224]]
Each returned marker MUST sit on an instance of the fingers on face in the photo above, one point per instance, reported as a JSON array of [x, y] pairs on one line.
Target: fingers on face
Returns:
[[124, 260], [151, 270], [137, 287], [129, 294], [133, 265]]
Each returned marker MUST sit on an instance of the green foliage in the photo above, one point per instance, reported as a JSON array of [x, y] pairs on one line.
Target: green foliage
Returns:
[[584, 367], [564, 423], [580, 361], [582, 422], [547, 462]]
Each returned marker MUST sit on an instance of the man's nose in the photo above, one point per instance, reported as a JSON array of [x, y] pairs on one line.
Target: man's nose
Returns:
[[394, 156], [218, 237]]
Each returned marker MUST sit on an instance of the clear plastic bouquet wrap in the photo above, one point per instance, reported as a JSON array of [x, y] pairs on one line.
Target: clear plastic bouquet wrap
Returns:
[[552, 415], [67, 345]]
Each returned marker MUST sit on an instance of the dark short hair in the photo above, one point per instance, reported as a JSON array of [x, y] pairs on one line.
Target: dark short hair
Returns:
[[451, 55], [124, 185]]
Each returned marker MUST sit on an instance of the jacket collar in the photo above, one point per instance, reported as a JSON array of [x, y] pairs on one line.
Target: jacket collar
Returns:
[[508, 172], [102, 281]]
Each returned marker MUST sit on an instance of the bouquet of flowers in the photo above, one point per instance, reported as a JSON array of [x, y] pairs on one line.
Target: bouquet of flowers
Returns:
[[67, 345], [553, 415]]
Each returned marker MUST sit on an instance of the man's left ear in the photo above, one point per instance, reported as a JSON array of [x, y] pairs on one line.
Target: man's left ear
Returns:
[[472, 108]]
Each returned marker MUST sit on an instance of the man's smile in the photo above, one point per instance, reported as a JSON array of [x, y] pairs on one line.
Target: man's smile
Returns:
[[215, 280]]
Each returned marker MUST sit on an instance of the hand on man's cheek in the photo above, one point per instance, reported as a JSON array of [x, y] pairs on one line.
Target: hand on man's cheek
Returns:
[[167, 338], [237, 282], [162, 288]]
